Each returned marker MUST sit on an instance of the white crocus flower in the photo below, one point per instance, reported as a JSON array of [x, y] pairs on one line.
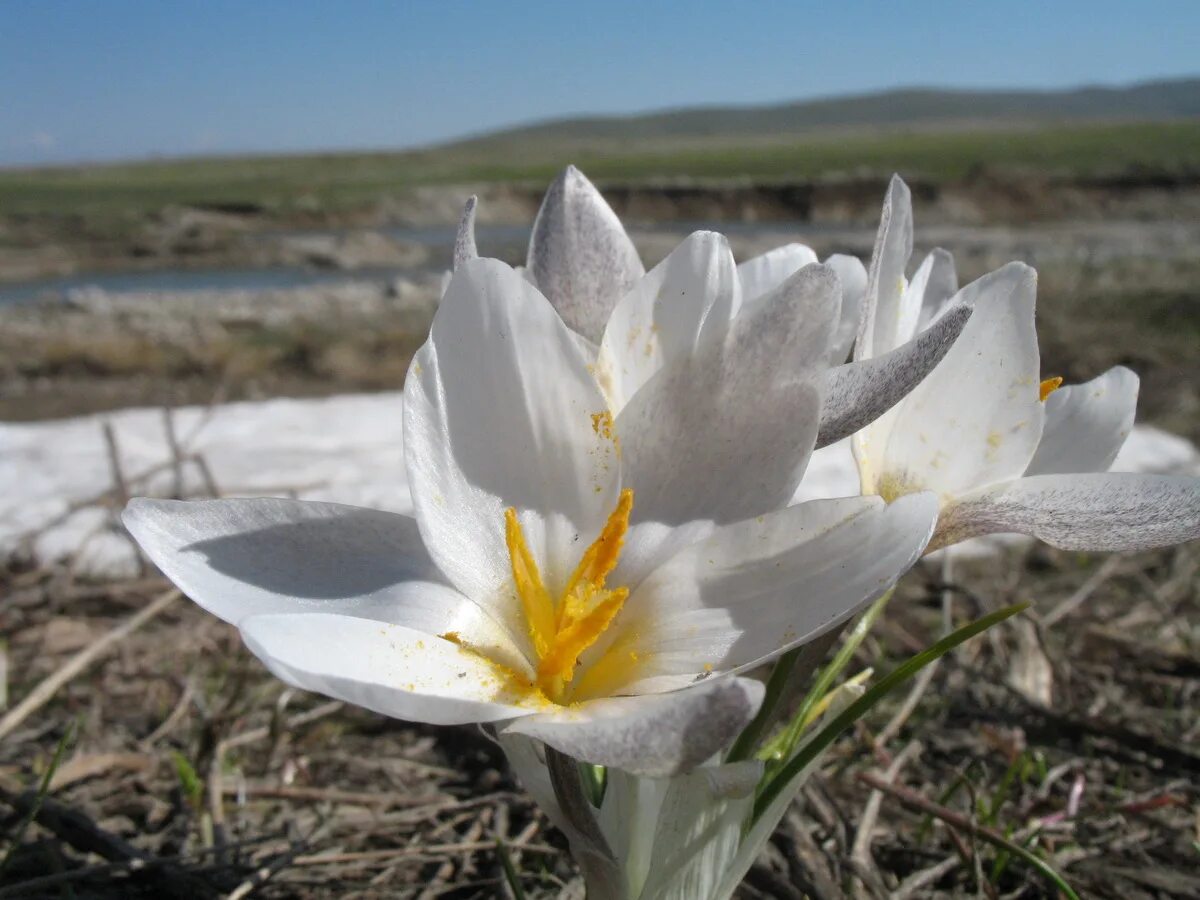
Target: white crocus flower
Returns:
[[583, 261], [1003, 450], [594, 577]]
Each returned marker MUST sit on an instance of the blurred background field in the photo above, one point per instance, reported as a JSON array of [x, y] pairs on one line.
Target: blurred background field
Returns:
[[162, 281], [202, 279]]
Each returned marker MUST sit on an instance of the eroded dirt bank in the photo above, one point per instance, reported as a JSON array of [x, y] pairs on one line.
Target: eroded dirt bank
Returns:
[[1109, 293], [244, 235]]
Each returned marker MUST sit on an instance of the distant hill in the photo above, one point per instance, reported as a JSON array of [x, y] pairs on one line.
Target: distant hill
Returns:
[[925, 107]]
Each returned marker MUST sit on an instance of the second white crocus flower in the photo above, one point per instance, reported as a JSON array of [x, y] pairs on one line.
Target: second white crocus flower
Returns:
[[1004, 450], [631, 323], [590, 575]]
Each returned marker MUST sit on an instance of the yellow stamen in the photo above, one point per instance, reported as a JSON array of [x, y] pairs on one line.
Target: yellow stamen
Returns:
[[535, 600], [1048, 387], [577, 636], [562, 631]]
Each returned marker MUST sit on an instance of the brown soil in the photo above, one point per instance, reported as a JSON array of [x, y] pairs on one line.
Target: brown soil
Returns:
[[190, 772]]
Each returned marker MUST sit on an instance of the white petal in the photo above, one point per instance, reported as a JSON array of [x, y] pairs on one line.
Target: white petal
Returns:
[[464, 241], [757, 588], [853, 276], [977, 418], [1092, 511], [724, 433], [684, 300], [931, 287], [498, 413], [831, 473], [389, 669], [659, 734], [858, 393], [937, 282], [579, 254], [764, 273], [650, 544], [1086, 424], [885, 280], [700, 826], [238, 558], [628, 818]]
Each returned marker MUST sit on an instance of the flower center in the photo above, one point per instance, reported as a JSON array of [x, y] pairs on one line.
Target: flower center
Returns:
[[561, 628]]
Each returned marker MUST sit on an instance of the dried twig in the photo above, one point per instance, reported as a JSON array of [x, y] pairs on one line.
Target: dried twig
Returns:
[[1106, 571], [860, 851], [120, 485], [176, 453], [41, 694]]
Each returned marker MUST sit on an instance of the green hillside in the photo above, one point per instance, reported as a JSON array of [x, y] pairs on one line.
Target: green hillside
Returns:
[[908, 107], [935, 135]]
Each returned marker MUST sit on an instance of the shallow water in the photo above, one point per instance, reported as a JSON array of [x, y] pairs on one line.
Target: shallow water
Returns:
[[177, 280], [506, 242]]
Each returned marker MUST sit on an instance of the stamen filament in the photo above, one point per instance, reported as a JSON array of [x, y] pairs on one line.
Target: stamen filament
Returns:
[[576, 637], [535, 600]]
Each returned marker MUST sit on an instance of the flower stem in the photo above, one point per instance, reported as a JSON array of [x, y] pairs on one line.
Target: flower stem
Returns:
[[588, 845]]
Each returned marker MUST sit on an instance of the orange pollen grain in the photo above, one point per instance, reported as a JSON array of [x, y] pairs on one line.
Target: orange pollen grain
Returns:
[[1048, 387]]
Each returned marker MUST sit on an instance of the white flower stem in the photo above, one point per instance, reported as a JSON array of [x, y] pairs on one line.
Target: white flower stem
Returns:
[[588, 844]]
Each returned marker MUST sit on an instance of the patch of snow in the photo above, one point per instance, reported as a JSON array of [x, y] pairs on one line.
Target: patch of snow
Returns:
[[56, 501]]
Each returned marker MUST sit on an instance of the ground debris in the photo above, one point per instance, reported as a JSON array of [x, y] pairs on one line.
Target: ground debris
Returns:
[[194, 773]]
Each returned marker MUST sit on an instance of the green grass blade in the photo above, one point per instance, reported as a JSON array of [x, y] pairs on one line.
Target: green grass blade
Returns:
[[42, 792], [744, 746], [190, 783], [860, 707], [782, 747], [510, 871]]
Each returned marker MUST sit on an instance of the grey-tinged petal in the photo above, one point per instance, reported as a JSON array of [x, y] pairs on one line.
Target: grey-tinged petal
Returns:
[[936, 282], [885, 279], [724, 433], [853, 276], [656, 734], [858, 393], [1093, 511], [762, 274], [1086, 424], [501, 410], [579, 254], [464, 241], [389, 669], [238, 558]]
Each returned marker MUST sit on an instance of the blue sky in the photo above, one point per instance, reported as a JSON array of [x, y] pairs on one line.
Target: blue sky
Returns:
[[106, 80]]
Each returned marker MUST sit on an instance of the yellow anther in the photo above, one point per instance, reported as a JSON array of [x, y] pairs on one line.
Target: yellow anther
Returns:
[[1048, 387], [601, 557], [535, 601]]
